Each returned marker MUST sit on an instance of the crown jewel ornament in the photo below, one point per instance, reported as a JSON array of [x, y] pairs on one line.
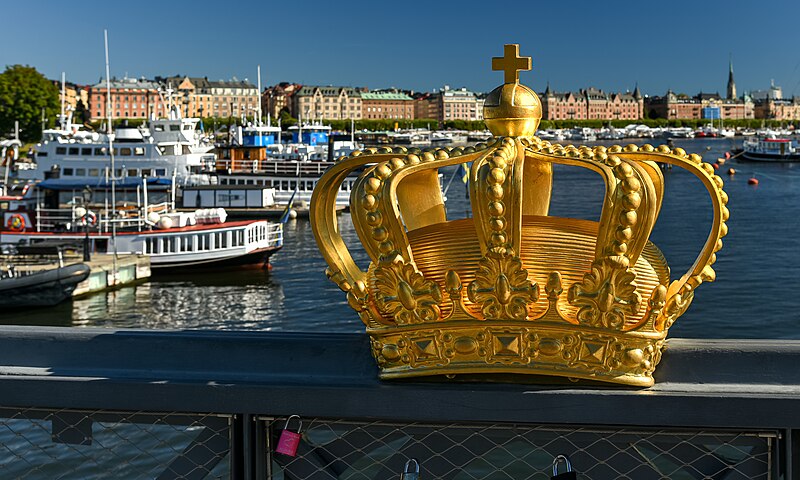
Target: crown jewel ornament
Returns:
[[512, 290]]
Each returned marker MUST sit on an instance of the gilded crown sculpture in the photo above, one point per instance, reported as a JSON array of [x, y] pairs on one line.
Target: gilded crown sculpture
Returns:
[[512, 290]]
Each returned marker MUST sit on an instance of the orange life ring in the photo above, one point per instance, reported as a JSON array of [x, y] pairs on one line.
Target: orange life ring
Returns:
[[16, 223], [90, 218], [9, 157]]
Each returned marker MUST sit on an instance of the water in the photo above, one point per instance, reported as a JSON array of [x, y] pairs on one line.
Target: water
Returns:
[[752, 298]]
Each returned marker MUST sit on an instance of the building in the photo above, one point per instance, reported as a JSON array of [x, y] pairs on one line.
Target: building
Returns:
[[458, 104], [333, 103], [731, 92], [73, 93], [279, 98], [709, 106], [426, 106], [778, 109], [386, 105], [592, 104], [130, 98]]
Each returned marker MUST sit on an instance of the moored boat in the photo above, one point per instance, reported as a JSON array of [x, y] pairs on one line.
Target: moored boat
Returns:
[[31, 278], [765, 149]]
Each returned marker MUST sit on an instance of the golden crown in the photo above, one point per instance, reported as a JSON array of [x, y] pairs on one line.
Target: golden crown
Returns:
[[486, 294]]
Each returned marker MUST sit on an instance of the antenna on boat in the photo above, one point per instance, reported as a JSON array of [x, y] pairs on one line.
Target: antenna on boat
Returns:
[[110, 135]]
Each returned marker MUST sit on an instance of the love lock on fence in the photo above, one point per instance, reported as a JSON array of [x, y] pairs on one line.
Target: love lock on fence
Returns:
[[568, 473], [289, 440]]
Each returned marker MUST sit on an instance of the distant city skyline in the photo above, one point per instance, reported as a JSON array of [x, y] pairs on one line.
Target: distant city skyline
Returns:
[[416, 45]]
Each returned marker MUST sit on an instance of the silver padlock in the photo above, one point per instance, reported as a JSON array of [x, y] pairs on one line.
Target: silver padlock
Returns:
[[411, 470], [568, 474]]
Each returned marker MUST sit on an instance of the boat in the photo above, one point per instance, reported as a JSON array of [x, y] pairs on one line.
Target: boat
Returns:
[[770, 149], [257, 158], [172, 240], [34, 277], [167, 148]]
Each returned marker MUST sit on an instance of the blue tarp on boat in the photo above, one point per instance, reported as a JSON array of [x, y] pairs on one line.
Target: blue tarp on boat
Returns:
[[61, 185]]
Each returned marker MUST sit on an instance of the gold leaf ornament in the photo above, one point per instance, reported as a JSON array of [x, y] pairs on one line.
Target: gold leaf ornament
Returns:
[[406, 295], [502, 288], [606, 295]]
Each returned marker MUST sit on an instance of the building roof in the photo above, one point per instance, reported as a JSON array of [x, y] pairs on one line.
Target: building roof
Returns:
[[384, 96], [327, 91], [125, 82]]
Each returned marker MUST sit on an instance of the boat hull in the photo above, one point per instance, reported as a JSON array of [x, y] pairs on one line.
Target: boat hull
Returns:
[[256, 259], [42, 289], [766, 157]]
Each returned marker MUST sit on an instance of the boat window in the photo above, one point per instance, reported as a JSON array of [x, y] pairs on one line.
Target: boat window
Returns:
[[74, 150], [61, 150], [41, 154], [224, 181], [139, 151], [284, 185], [187, 127], [125, 151], [86, 151], [67, 172], [118, 172], [174, 128], [93, 172], [250, 181], [80, 172], [100, 151], [159, 128], [161, 172], [132, 172]]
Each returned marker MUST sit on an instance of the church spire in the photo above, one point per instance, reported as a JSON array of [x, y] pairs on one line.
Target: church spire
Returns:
[[731, 84]]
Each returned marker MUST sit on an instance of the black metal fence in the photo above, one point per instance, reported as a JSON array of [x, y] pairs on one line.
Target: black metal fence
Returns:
[[101, 404]]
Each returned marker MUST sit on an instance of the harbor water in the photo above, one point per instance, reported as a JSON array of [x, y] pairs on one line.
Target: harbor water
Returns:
[[752, 298]]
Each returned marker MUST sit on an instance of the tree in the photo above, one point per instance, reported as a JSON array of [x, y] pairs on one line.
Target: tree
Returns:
[[81, 114], [24, 92]]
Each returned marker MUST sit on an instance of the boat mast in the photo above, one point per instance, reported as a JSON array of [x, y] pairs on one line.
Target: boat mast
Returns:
[[110, 132], [258, 103], [63, 99]]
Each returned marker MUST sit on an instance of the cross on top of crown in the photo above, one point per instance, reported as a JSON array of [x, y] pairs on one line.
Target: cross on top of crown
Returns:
[[511, 63]]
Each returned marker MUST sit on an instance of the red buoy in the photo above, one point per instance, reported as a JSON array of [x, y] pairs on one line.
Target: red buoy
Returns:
[[727, 155], [753, 181], [716, 166]]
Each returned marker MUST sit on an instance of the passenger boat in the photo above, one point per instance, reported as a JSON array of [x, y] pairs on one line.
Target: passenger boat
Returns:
[[167, 148], [765, 149], [292, 170], [172, 240]]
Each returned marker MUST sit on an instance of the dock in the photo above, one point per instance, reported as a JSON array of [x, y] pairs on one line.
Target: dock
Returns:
[[130, 269]]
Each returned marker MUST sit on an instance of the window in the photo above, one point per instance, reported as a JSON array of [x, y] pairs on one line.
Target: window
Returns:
[[61, 150], [174, 128], [161, 172], [132, 172], [80, 172], [100, 151], [86, 151], [125, 151], [139, 151], [93, 172], [68, 172], [159, 128]]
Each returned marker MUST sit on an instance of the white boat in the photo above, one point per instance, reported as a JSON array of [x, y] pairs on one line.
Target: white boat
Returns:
[[172, 240], [770, 149], [167, 149]]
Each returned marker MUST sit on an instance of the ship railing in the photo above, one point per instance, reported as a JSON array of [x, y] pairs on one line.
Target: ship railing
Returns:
[[106, 403], [264, 234], [274, 167]]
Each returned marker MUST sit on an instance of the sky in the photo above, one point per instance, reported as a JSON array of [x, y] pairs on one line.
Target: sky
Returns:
[[680, 45]]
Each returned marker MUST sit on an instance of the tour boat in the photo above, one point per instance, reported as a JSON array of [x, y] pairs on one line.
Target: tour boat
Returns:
[[172, 240], [168, 148], [764, 149]]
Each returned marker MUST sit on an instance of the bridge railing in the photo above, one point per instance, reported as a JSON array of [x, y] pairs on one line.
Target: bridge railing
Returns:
[[88, 403]]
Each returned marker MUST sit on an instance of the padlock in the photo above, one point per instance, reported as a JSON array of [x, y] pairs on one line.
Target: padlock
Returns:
[[568, 473], [289, 440], [410, 470]]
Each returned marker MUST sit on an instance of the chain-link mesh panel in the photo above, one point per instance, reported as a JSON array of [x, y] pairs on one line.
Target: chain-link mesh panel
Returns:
[[340, 449], [67, 444]]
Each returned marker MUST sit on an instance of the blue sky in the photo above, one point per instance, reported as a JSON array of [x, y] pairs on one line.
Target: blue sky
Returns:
[[683, 45]]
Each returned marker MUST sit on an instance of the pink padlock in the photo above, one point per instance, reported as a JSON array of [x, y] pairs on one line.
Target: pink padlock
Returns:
[[289, 440]]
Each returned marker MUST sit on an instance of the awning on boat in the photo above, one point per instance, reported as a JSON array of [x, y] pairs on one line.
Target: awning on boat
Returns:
[[61, 185]]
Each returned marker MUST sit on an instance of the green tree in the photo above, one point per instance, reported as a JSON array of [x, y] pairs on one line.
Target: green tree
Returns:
[[24, 92]]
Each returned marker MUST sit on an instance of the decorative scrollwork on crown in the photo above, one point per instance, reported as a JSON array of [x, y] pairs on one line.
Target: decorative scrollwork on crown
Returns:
[[406, 295], [502, 288], [606, 295]]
